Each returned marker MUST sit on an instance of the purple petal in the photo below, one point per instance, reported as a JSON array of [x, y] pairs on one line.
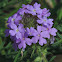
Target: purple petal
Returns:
[[28, 41], [36, 5], [53, 31], [20, 46], [45, 34], [43, 28], [15, 46], [28, 30], [7, 32], [25, 34], [24, 44], [18, 18], [35, 39], [18, 40], [9, 19], [18, 35], [39, 12], [13, 38], [42, 41], [40, 21], [20, 28], [13, 26], [39, 29], [35, 33], [15, 15], [12, 33]]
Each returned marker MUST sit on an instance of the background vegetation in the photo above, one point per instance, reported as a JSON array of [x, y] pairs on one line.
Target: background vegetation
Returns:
[[8, 54]]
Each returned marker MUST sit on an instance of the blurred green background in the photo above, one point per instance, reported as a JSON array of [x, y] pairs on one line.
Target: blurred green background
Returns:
[[8, 54]]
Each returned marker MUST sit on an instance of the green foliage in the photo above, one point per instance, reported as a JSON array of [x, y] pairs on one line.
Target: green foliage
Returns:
[[52, 58], [38, 59], [17, 56], [54, 3], [59, 13]]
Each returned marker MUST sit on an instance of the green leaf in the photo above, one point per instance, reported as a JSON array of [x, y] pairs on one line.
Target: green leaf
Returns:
[[9, 44], [57, 43], [29, 1], [59, 13], [59, 27], [1, 43], [52, 58], [54, 3], [3, 52], [38, 59], [60, 36], [15, 60]]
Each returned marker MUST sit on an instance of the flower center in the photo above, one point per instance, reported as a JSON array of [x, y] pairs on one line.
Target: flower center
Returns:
[[17, 30], [34, 10], [23, 38], [47, 28], [44, 20], [39, 35], [13, 19], [30, 33]]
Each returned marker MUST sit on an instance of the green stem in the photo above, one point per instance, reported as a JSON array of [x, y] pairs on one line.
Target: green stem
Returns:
[[45, 59]]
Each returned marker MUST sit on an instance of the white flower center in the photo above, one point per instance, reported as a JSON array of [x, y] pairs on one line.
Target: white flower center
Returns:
[[47, 28], [34, 10], [39, 35], [44, 20], [13, 19], [30, 33], [23, 38], [17, 30]]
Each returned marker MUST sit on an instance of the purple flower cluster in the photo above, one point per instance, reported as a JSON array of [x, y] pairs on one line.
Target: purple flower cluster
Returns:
[[26, 36]]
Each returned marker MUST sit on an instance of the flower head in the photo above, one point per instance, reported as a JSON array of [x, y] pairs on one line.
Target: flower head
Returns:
[[26, 36]]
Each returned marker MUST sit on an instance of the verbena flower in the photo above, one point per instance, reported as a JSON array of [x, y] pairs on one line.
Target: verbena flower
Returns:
[[45, 21], [34, 9], [39, 36], [51, 31], [14, 19], [16, 31], [30, 31], [23, 36], [23, 41], [44, 13]]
